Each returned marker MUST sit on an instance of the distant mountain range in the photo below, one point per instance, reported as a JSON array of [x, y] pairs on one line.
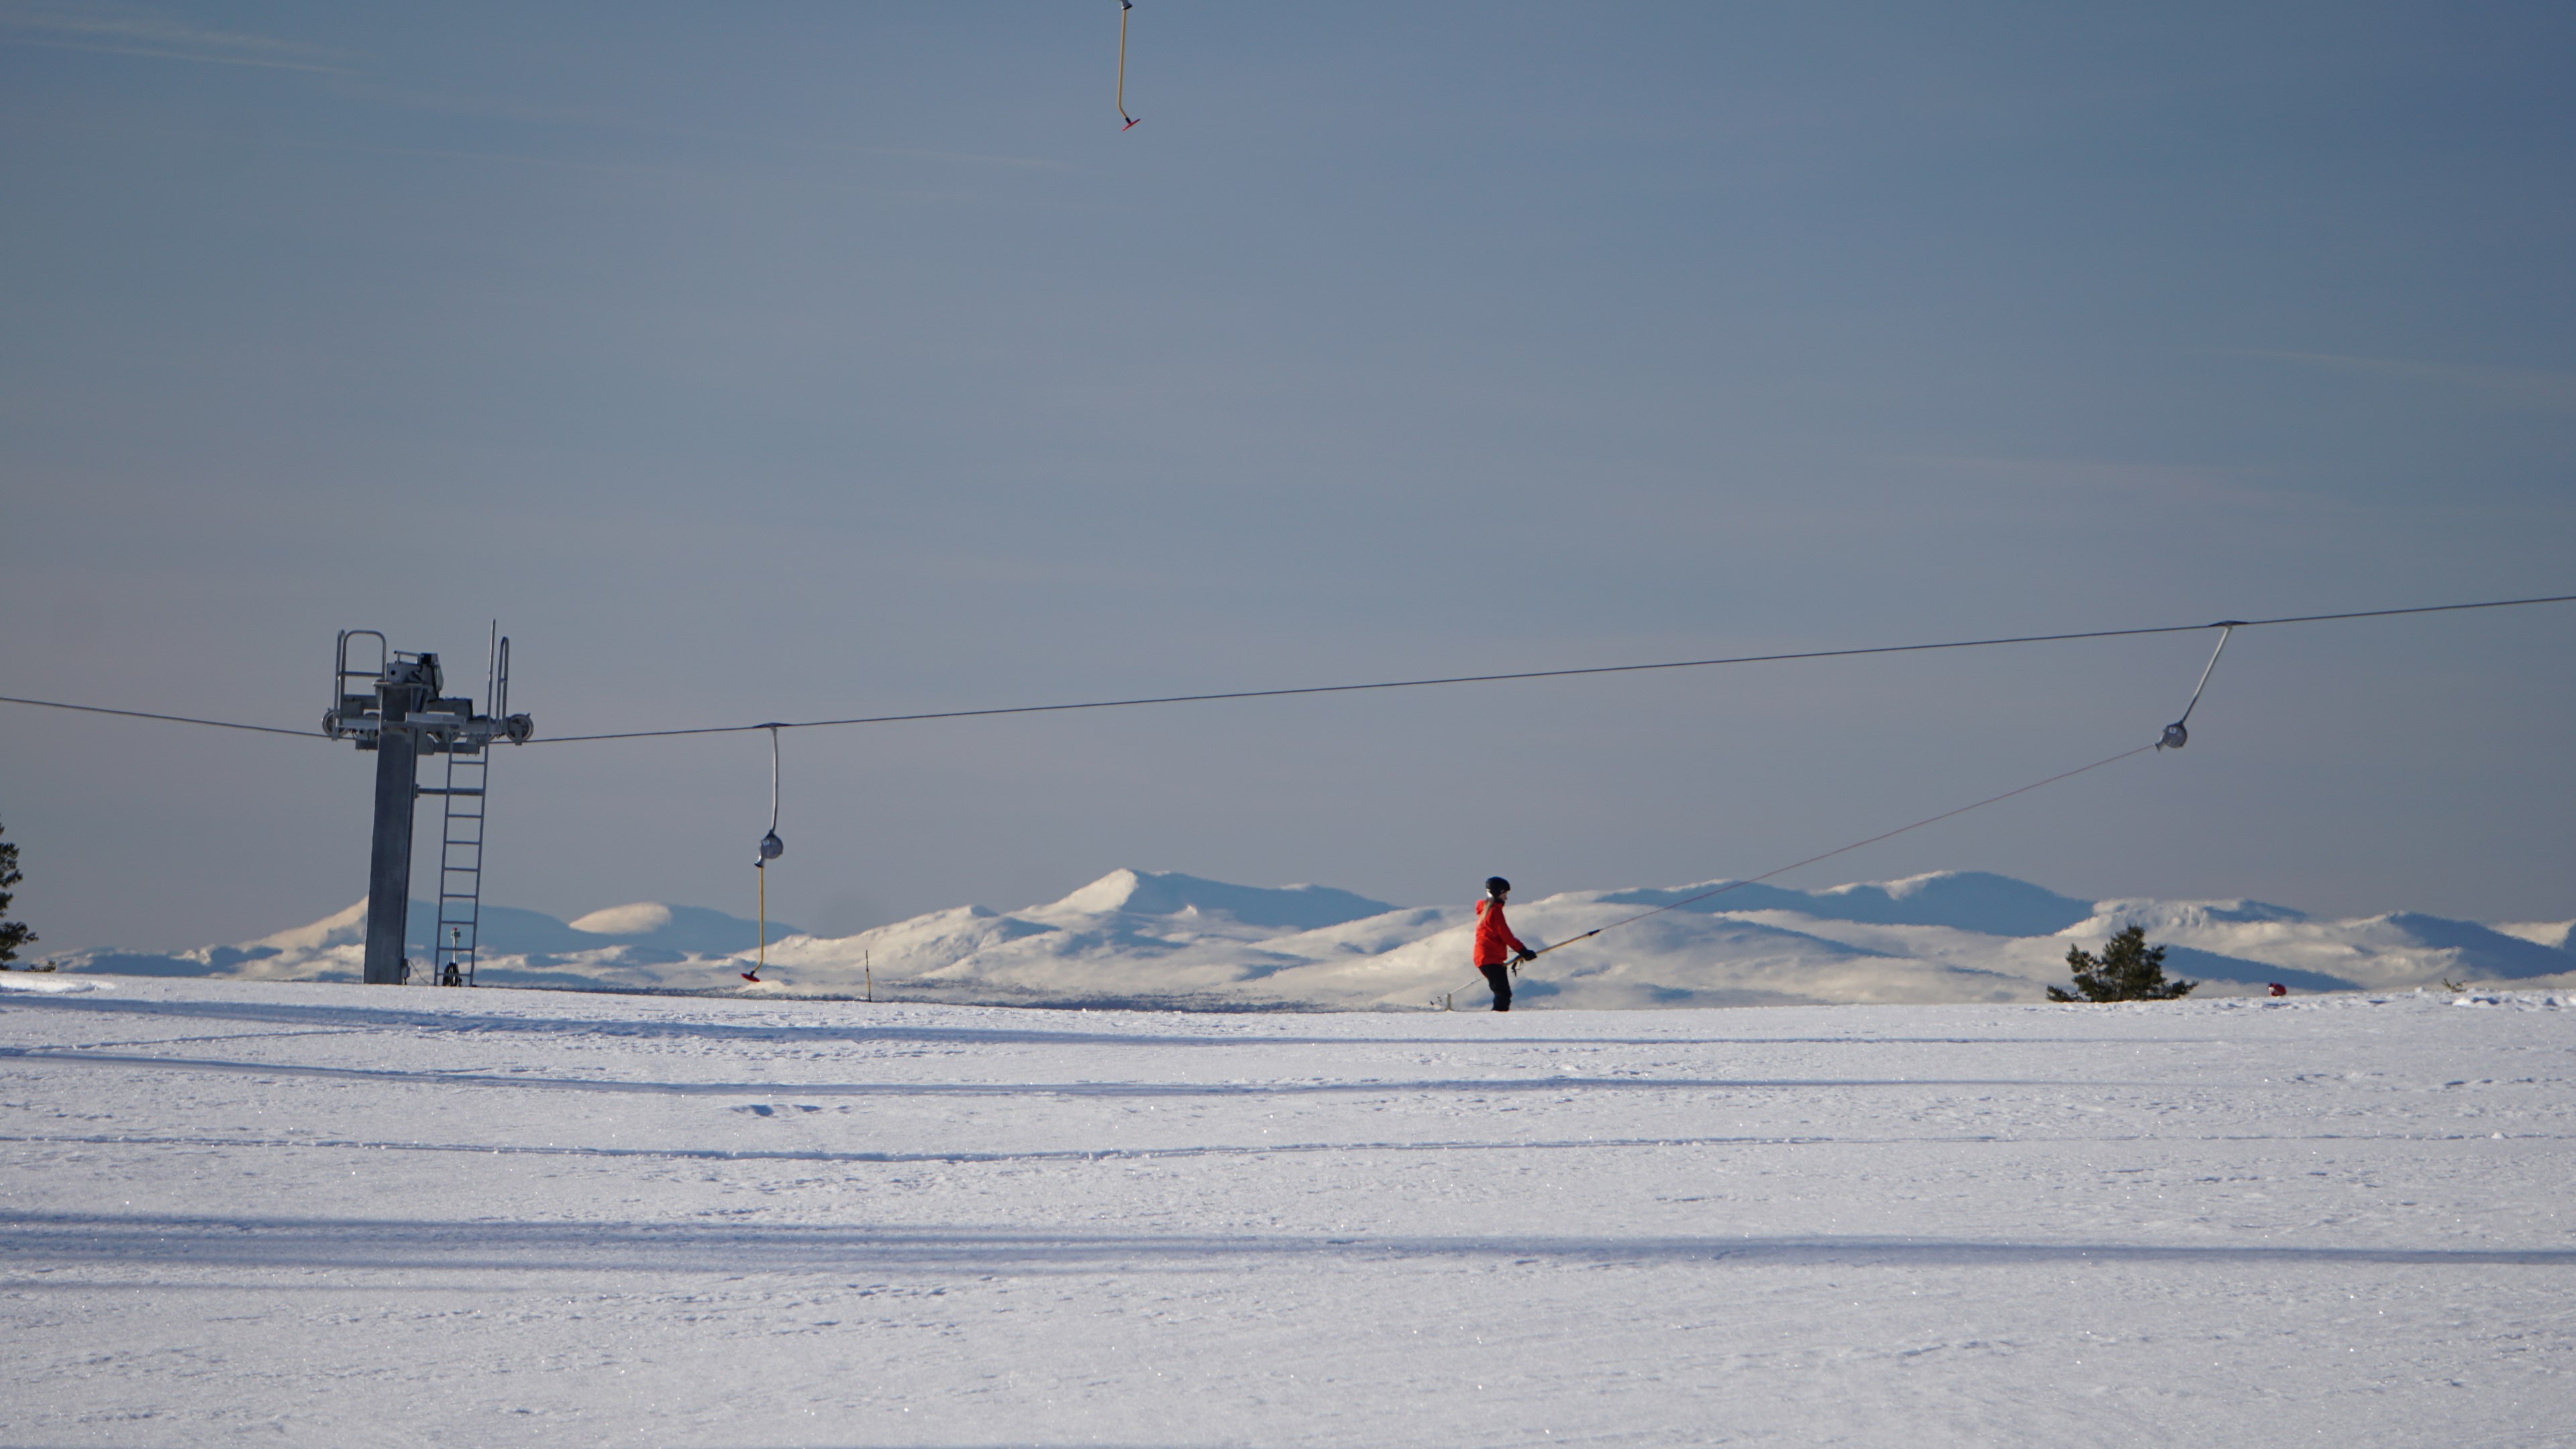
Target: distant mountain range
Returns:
[[1149, 938]]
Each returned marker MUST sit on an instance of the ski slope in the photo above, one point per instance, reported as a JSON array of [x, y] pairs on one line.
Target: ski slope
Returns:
[[316, 1214]]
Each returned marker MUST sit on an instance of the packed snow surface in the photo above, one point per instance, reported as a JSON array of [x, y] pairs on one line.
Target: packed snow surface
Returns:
[[313, 1214]]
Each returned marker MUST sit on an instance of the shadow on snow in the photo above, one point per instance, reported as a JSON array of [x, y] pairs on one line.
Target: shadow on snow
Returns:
[[1228, 1030], [369, 1245]]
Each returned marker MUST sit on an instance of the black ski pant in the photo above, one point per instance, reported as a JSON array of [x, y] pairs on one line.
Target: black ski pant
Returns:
[[1500, 978]]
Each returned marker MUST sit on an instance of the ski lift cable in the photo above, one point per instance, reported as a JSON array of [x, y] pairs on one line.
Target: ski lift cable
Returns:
[[221, 724], [2224, 624]]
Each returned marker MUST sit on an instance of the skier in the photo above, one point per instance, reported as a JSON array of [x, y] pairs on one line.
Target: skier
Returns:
[[1498, 951]]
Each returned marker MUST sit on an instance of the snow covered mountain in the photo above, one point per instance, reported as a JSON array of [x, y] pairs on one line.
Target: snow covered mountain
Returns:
[[1167, 939], [519, 947]]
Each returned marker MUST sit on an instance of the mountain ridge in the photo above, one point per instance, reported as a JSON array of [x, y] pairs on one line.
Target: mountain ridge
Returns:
[[1167, 937]]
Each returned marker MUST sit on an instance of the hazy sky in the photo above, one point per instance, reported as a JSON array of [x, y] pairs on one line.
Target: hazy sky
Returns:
[[779, 361]]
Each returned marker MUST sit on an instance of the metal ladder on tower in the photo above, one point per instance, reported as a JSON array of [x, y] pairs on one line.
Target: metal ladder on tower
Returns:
[[460, 840], [460, 868]]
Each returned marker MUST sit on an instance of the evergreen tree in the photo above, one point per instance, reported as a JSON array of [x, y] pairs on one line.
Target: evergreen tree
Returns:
[[13, 934], [2127, 970]]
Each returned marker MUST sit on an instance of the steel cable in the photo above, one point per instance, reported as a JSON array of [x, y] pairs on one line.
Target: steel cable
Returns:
[[1543, 673], [221, 724], [1311, 689]]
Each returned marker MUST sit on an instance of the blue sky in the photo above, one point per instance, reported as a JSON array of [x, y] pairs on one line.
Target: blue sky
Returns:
[[793, 361]]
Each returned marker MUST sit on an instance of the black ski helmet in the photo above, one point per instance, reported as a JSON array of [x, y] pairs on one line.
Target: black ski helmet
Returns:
[[1497, 886]]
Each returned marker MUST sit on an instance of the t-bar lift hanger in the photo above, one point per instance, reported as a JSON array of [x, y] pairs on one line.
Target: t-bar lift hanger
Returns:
[[2175, 735], [1123, 7], [771, 847]]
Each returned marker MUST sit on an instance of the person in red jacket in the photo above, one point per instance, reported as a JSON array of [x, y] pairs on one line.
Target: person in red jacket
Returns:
[[1497, 949]]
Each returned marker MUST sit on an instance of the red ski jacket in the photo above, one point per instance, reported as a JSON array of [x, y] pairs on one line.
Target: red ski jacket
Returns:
[[1495, 942]]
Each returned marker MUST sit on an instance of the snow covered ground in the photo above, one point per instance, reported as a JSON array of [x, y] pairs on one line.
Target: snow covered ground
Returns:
[[1164, 939], [315, 1214]]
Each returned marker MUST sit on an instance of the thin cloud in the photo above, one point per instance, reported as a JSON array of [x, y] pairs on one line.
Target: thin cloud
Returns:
[[2102, 476], [2525, 388], [632, 170], [970, 158], [805, 144], [485, 107], [469, 107], [154, 37]]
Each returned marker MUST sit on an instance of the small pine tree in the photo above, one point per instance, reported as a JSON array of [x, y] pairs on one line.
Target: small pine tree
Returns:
[[2128, 970], [13, 934]]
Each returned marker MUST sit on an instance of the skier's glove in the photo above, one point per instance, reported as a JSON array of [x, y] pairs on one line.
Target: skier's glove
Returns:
[[1526, 955]]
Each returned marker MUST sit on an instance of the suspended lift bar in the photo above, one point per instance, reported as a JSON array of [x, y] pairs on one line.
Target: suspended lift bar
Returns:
[[771, 847], [1123, 7], [2175, 735]]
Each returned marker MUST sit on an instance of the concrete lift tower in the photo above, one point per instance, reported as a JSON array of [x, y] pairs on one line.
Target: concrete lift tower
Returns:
[[399, 713]]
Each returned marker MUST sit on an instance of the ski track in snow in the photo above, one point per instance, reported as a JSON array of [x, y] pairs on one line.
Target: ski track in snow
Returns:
[[246, 1212]]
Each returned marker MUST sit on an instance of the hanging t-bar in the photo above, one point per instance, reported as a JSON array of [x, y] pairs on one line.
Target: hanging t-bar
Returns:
[[2176, 736], [771, 847], [1123, 7]]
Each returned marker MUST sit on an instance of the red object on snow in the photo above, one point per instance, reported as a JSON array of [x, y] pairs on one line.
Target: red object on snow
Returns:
[[1495, 942], [2279, 990]]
